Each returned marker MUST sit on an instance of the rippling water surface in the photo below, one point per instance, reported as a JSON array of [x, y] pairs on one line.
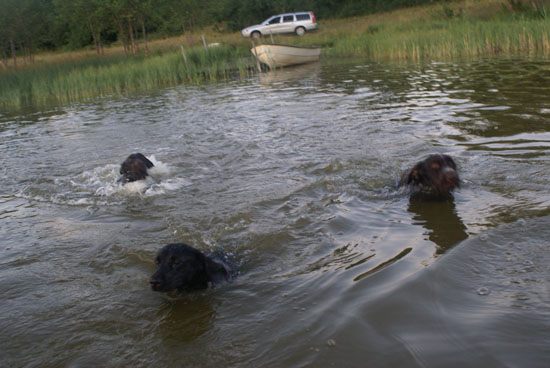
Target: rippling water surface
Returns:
[[291, 176]]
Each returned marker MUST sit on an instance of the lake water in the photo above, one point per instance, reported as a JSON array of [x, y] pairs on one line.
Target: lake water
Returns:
[[291, 177]]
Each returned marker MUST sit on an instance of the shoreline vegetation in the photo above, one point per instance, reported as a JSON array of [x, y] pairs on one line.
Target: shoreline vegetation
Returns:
[[440, 32]]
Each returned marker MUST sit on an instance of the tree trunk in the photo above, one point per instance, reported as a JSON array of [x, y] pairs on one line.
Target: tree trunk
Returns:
[[12, 47], [136, 37], [22, 53], [122, 37], [144, 36], [100, 44], [189, 35], [131, 33], [4, 61], [96, 44], [28, 51]]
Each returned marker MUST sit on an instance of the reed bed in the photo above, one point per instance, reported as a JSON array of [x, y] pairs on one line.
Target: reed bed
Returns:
[[67, 82], [466, 28], [457, 38]]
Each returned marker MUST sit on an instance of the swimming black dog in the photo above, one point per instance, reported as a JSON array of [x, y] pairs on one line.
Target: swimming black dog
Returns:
[[181, 267], [436, 174], [134, 168]]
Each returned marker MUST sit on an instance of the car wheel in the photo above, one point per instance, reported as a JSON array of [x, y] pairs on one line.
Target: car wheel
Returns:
[[256, 34], [300, 31]]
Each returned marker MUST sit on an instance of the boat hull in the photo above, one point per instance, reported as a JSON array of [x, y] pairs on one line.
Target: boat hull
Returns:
[[276, 56]]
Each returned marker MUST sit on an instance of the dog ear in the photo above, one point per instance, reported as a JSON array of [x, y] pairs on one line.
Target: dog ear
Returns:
[[141, 157], [450, 161], [148, 163], [215, 271], [412, 176]]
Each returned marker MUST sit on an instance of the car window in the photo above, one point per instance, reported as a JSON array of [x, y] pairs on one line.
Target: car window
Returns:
[[302, 16], [275, 20], [288, 18]]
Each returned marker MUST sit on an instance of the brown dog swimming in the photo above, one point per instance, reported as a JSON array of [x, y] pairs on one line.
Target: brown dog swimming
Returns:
[[436, 174]]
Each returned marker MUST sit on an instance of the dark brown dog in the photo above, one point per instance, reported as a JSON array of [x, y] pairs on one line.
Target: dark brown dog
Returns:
[[181, 267], [134, 168], [436, 174]]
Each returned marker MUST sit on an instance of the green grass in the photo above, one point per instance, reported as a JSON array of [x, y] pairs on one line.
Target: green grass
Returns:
[[458, 29], [455, 38], [64, 83]]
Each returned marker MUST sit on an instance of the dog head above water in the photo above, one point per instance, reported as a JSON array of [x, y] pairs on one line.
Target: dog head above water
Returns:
[[436, 174], [134, 168], [181, 267]]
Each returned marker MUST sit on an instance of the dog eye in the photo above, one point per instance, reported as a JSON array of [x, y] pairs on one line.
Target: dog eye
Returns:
[[436, 166], [174, 261], [157, 261]]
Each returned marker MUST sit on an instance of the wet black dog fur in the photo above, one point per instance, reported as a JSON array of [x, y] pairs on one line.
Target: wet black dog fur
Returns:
[[182, 267], [134, 168], [435, 175]]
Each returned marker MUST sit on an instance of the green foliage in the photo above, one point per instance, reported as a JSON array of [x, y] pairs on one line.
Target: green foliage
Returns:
[[447, 12], [543, 13], [24, 23]]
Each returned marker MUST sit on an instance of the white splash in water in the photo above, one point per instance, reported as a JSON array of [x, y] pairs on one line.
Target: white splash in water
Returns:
[[160, 169], [99, 186], [158, 182], [167, 185]]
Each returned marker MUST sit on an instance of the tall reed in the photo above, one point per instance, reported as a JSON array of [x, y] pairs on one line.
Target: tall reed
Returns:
[[448, 39], [64, 83]]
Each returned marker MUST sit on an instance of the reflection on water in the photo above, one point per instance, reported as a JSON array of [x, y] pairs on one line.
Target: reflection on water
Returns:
[[523, 145], [184, 320], [384, 264], [291, 177], [444, 227], [304, 76]]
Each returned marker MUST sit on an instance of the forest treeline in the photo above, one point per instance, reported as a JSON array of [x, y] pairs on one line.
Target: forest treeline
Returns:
[[30, 25]]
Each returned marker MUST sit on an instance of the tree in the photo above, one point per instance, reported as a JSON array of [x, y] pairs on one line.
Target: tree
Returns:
[[83, 17], [20, 26]]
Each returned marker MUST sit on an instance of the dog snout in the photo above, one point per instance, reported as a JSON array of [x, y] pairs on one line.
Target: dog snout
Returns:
[[155, 282], [450, 178]]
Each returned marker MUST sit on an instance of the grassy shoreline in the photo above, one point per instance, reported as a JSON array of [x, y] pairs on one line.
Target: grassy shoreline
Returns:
[[467, 28], [452, 38], [62, 83]]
